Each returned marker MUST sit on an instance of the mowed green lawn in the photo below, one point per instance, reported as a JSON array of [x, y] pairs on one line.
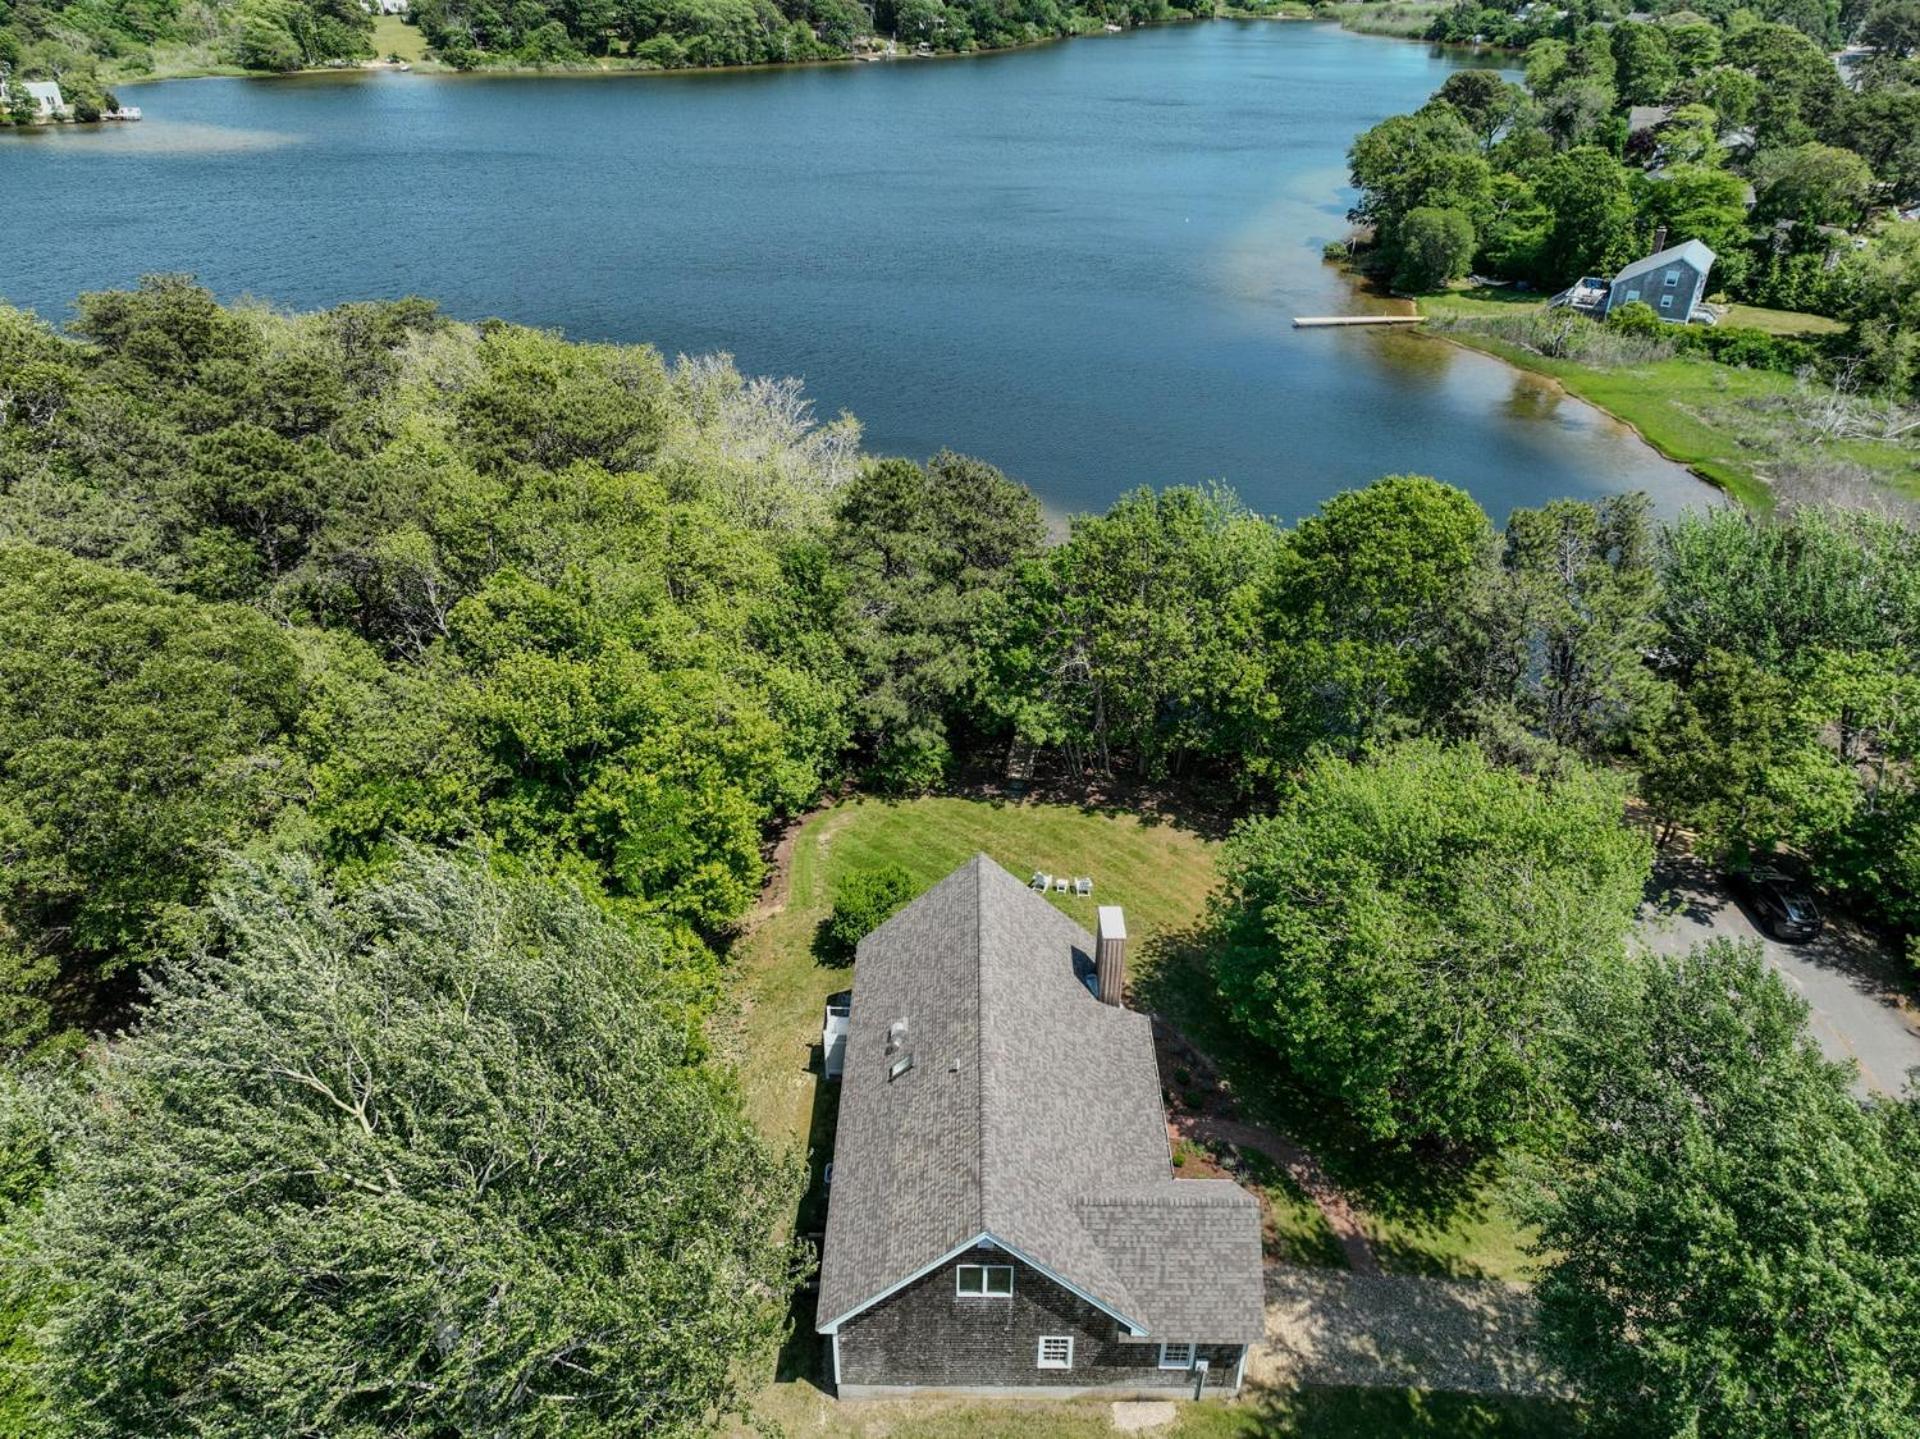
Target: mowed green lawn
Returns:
[[1163, 874], [394, 36]]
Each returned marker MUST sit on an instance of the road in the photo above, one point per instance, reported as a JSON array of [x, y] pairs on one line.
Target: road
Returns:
[[1855, 1016]]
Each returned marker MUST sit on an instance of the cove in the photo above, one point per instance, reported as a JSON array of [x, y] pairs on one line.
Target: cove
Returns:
[[1080, 262]]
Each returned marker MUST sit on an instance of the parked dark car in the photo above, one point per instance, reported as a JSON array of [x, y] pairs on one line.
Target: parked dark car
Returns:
[[1782, 902]]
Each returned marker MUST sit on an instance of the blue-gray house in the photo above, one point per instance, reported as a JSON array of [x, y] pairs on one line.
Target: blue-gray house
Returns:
[[1672, 282]]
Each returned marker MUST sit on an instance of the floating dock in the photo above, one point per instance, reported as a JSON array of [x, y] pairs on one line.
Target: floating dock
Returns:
[[1315, 322]]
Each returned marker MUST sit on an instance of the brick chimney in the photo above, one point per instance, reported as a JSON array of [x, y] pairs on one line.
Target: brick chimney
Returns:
[[1659, 240], [1110, 955]]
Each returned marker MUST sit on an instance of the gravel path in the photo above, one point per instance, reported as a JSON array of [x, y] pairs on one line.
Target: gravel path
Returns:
[[1399, 1330]]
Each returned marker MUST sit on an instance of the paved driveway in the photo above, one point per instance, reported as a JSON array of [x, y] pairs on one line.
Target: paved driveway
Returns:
[[1854, 1015]]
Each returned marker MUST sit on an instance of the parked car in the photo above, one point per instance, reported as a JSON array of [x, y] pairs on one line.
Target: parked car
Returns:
[[1783, 903]]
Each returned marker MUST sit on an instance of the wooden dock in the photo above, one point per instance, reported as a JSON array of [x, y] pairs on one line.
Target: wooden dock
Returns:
[[1315, 322]]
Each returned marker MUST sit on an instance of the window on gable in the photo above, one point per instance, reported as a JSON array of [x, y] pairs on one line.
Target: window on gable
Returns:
[[983, 1281], [1176, 1356], [1632, 295], [1056, 1351], [1673, 278], [1666, 302]]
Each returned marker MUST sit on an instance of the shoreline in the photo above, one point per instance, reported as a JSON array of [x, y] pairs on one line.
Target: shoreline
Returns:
[[612, 67], [1739, 485]]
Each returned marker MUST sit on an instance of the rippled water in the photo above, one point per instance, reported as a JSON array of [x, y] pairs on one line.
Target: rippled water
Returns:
[[1079, 261]]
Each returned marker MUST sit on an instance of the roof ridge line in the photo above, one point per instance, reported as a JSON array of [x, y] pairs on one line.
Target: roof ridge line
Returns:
[[980, 1028]]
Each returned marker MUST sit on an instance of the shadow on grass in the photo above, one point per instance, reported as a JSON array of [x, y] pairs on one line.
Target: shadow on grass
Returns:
[[1312, 1412], [828, 950], [1420, 1190], [802, 1356], [1208, 809]]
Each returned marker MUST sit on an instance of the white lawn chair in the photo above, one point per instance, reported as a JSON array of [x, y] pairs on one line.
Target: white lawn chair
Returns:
[[1083, 886], [1041, 882]]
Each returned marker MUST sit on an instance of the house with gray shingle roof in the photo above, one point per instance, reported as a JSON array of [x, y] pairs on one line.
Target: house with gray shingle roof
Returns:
[[1673, 282], [1004, 1215]]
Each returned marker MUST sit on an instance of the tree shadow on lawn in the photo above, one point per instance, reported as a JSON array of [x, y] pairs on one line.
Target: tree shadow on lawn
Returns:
[[1208, 810], [1421, 1191], [802, 1352]]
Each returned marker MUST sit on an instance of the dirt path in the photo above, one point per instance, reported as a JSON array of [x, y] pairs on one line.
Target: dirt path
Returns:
[[1213, 1118], [1302, 1168]]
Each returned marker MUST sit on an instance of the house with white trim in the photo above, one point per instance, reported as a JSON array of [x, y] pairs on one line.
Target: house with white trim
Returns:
[[48, 102], [1672, 282], [1004, 1216]]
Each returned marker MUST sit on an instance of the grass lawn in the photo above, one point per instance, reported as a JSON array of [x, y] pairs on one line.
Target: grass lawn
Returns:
[[1309, 1413], [1778, 322], [394, 36], [1730, 426]]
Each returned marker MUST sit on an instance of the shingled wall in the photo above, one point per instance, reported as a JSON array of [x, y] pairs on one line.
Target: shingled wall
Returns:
[[928, 1336]]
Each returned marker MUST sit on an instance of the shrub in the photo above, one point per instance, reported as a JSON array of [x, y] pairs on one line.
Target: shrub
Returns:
[[863, 900]]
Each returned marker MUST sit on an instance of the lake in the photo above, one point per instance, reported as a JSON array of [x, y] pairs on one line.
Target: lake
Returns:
[[1080, 261]]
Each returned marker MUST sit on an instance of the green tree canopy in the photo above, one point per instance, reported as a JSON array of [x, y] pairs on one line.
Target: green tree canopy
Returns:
[[1405, 930], [1731, 1244], [1138, 638], [1435, 246], [141, 734], [923, 551], [1590, 230], [1374, 607], [439, 1155]]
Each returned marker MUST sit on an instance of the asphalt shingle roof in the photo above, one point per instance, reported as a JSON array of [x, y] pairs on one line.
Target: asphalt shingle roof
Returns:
[[1032, 1114], [1692, 251]]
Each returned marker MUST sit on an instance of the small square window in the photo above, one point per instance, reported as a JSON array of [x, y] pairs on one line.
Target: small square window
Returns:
[[983, 1281], [1632, 295], [1673, 278], [1176, 1356], [1056, 1351], [1666, 302]]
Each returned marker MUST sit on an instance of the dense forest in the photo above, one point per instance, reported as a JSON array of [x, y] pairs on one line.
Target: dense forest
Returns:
[[395, 713], [1734, 128], [80, 43]]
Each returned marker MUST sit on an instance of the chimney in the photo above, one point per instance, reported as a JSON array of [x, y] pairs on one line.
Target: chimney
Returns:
[[1659, 240], [1110, 955]]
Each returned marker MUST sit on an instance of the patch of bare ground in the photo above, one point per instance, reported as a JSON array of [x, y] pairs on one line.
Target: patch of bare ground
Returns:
[[1392, 1330]]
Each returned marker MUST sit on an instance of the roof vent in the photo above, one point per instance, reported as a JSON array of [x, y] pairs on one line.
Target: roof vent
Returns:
[[896, 1036]]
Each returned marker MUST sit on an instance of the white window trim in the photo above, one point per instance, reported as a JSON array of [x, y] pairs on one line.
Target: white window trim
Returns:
[[1185, 1363], [1040, 1355], [983, 1292], [1673, 279], [1666, 302]]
